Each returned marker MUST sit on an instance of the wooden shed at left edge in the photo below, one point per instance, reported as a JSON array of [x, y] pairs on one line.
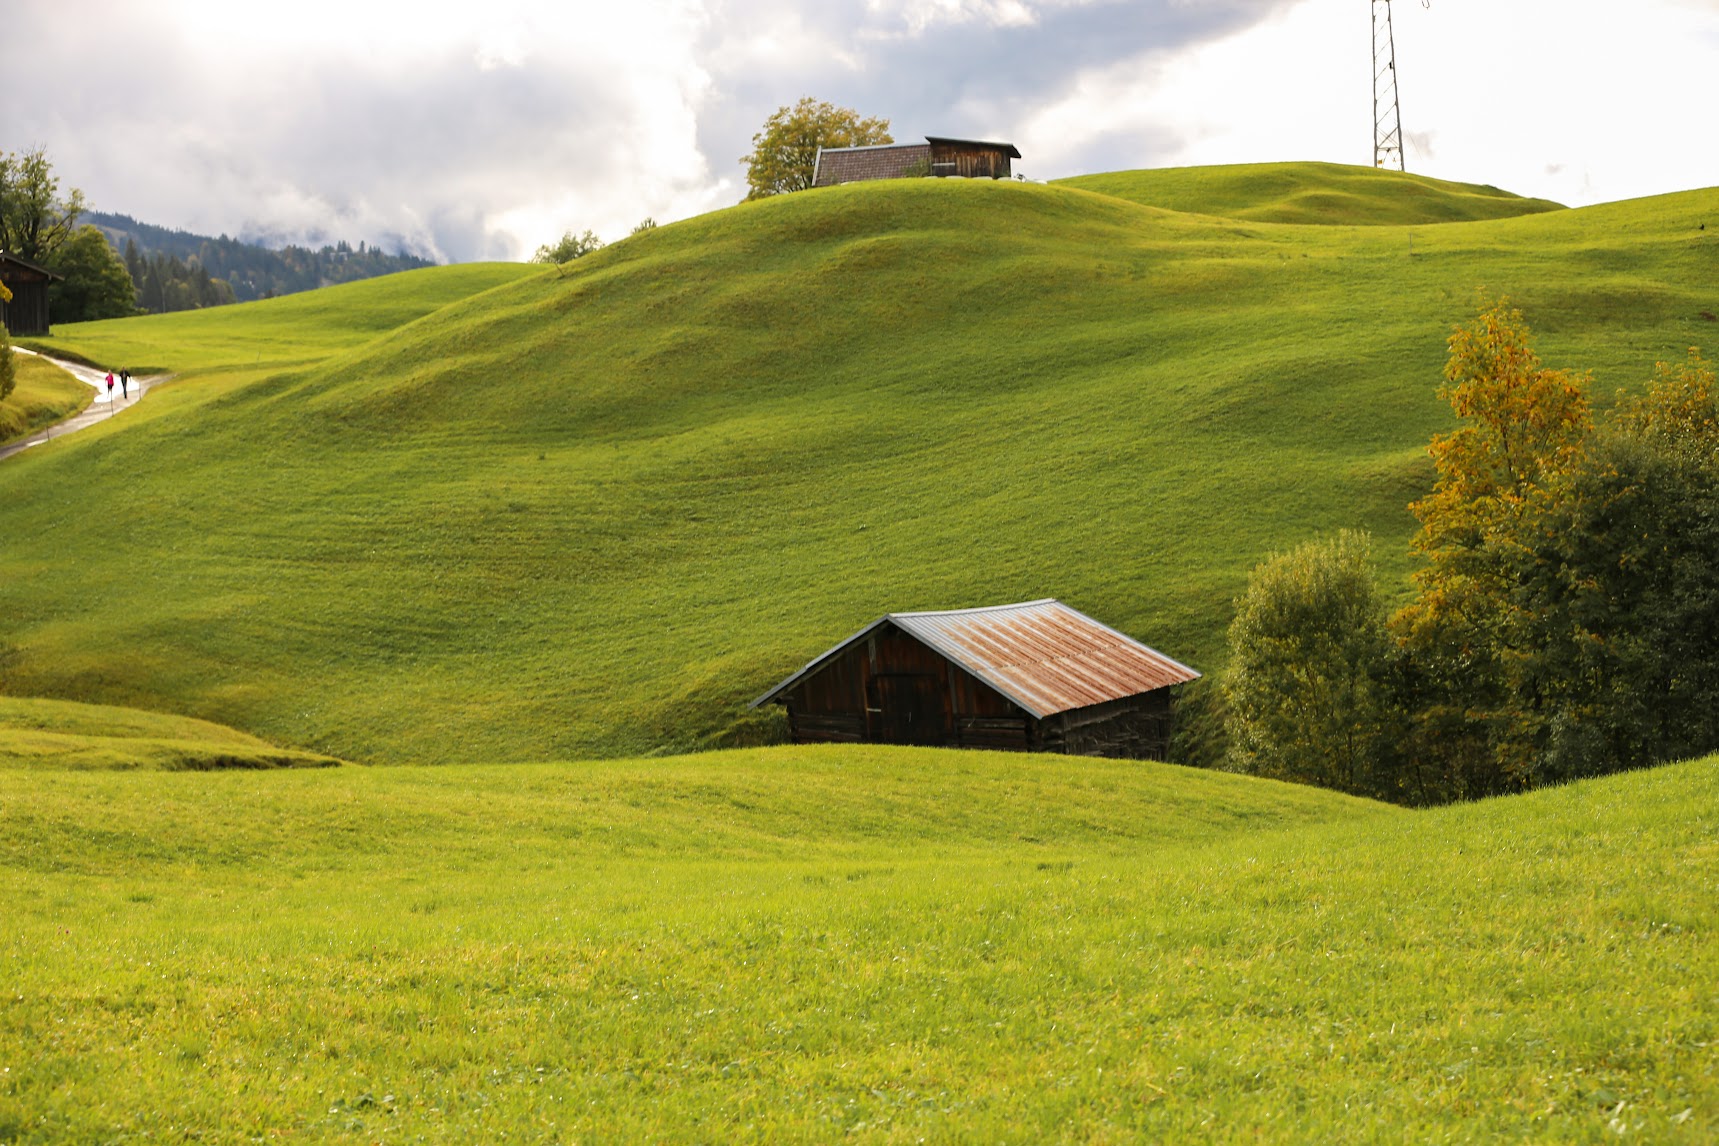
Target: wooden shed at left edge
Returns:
[[1037, 676], [27, 313]]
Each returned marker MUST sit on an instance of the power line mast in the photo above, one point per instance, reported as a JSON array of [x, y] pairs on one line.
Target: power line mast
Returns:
[[1387, 116]]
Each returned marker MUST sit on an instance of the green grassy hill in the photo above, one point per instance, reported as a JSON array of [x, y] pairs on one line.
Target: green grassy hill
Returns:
[[1328, 194], [57, 734], [279, 332], [884, 945], [592, 513], [45, 394]]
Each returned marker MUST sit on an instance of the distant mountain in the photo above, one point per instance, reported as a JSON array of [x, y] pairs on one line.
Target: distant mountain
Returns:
[[180, 270]]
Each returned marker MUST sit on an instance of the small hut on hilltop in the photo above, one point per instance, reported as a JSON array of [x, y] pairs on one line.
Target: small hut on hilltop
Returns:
[[27, 313], [1037, 676], [937, 156]]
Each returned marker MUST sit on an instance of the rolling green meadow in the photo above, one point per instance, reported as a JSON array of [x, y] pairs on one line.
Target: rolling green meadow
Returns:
[[549, 529], [889, 945], [504, 513], [60, 735], [1328, 194]]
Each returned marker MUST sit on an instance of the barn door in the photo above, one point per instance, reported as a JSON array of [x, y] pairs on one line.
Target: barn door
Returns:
[[908, 708]]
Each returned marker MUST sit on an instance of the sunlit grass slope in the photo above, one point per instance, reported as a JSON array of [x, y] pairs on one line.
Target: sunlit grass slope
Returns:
[[1311, 193], [287, 331], [596, 512], [57, 734], [885, 944], [44, 394]]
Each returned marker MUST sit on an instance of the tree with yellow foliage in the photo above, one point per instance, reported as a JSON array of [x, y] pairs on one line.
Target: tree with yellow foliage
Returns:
[[8, 376], [784, 154], [1474, 636]]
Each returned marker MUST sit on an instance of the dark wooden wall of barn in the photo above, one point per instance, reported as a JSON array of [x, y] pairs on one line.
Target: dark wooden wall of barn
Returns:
[[891, 689], [969, 162], [1133, 728], [27, 313]]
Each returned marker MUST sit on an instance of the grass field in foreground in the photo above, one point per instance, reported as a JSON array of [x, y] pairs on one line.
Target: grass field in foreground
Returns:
[[57, 734], [593, 512], [883, 944], [44, 394]]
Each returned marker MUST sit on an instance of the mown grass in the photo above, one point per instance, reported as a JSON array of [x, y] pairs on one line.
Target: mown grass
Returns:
[[44, 394], [1323, 194], [277, 333], [594, 512], [887, 945], [56, 734]]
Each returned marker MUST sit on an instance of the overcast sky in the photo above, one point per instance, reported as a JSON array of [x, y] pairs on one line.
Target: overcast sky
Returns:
[[467, 131]]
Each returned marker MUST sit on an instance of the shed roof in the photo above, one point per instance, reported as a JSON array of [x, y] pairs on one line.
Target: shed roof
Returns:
[[1043, 655], [873, 161], [32, 272]]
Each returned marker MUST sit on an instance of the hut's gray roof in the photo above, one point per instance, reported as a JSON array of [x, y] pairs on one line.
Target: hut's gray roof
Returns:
[[1043, 655], [837, 165]]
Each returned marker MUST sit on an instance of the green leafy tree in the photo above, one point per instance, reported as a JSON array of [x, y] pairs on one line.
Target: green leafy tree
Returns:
[[1477, 638], [1568, 616], [34, 220], [1625, 578], [785, 152], [96, 283], [1306, 693], [8, 372], [568, 248]]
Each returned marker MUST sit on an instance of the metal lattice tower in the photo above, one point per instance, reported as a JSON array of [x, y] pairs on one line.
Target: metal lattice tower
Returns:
[[1387, 116]]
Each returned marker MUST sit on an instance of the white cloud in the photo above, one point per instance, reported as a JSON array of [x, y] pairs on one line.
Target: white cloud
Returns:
[[483, 131], [1570, 101]]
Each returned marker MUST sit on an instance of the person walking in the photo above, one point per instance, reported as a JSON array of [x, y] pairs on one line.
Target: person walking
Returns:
[[124, 384], [110, 387]]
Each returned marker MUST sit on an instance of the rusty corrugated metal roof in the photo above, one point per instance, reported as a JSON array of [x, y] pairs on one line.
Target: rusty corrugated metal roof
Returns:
[[1043, 655]]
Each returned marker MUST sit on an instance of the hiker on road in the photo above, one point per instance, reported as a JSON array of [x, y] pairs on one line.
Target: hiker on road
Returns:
[[110, 387], [124, 383]]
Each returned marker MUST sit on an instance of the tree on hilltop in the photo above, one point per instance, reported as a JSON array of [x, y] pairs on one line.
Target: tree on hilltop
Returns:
[[568, 248], [785, 153]]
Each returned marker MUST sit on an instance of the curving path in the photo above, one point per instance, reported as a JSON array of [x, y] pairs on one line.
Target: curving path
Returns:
[[103, 408]]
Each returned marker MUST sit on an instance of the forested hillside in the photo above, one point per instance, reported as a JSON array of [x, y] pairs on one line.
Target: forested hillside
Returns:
[[178, 270]]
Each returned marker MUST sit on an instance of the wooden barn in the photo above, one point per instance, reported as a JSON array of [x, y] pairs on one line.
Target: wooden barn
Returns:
[[938, 156], [1037, 676], [971, 158], [27, 313]]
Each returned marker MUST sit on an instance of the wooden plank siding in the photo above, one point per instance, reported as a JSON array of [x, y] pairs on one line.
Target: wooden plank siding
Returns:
[[969, 160], [844, 701], [27, 313]]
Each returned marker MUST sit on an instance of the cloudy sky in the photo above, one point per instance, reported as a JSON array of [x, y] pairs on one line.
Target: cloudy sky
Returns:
[[467, 131]]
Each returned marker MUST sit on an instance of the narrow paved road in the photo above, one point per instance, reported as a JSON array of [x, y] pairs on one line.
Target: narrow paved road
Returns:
[[104, 406]]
